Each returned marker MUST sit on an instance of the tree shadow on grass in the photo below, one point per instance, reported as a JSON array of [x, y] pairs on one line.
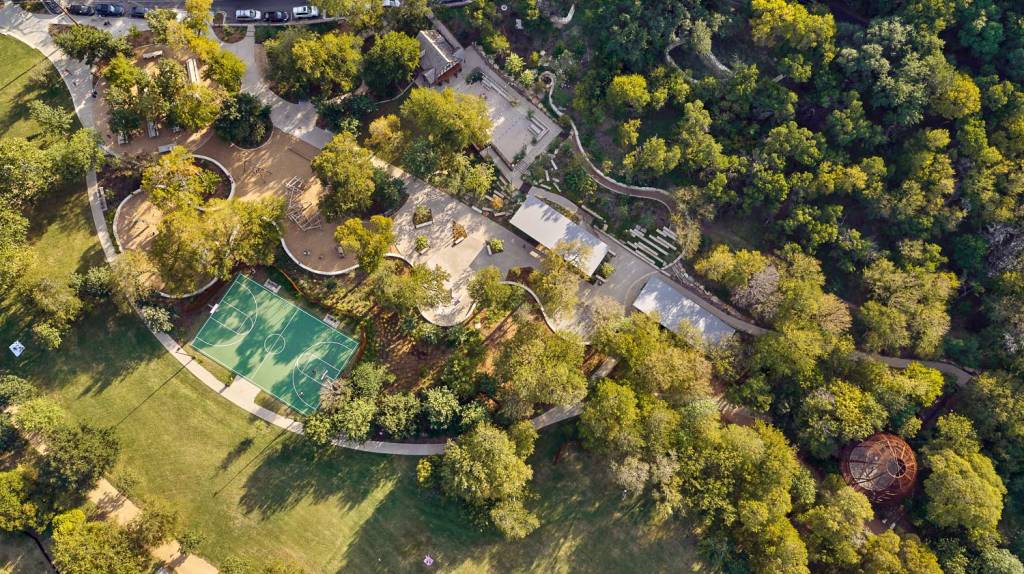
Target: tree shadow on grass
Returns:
[[296, 471], [585, 526]]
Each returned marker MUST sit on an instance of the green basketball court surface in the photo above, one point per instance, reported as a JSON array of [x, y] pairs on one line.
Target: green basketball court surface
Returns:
[[274, 344]]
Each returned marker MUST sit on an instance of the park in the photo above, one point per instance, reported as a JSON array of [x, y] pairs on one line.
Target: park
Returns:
[[490, 287]]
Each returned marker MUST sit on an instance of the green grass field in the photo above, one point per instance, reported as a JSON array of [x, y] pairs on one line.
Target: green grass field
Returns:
[[26, 75], [274, 344], [259, 492]]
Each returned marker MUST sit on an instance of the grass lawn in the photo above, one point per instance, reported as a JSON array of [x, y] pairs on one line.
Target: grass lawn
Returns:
[[259, 492], [26, 75], [20, 555]]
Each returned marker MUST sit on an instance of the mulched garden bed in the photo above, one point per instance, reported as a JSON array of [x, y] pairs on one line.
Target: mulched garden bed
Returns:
[[224, 183]]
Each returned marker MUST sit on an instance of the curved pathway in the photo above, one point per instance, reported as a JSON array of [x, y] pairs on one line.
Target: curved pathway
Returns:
[[298, 120], [664, 197]]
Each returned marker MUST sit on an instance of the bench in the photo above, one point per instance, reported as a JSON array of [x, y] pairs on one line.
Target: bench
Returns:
[[274, 287], [332, 321], [121, 138], [151, 128], [153, 54], [193, 70], [166, 148]]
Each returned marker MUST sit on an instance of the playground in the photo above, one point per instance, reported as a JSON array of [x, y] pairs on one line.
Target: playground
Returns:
[[274, 344]]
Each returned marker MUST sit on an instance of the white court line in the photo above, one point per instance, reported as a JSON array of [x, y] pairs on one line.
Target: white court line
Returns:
[[239, 337], [267, 355], [217, 321]]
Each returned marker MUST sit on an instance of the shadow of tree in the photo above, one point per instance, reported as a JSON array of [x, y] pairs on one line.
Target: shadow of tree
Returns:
[[585, 526], [297, 472]]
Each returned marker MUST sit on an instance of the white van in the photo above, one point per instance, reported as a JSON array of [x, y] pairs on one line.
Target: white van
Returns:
[[247, 15], [300, 12]]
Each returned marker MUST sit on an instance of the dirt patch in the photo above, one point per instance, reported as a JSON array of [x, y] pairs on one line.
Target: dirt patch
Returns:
[[119, 180], [227, 34]]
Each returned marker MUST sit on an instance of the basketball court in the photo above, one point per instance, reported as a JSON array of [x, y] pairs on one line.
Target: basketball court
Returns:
[[274, 344]]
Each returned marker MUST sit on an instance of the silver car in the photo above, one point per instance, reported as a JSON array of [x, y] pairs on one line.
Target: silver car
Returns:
[[301, 12], [247, 15]]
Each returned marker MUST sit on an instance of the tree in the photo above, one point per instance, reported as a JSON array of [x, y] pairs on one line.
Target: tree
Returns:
[[835, 415], [77, 155], [90, 45], [327, 64], [15, 391], [225, 68], [998, 561], [538, 366], [196, 108], [241, 233], [157, 524], [346, 170], [77, 457], [198, 15], [83, 546], [370, 241], [440, 405], [834, 528], [55, 122], [557, 279], [610, 420], [25, 172], [652, 158], [964, 492], [131, 277], [449, 120], [17, 511], [391, 62], [385, 136], [175, 182], [356, 13], [954, 94], [398, 414], [13, 258], [420, 287], [483, 469], [628, 93], [158, 20], [887, 553], [629, 133], [40, 417], [490, 292], [243, 120]]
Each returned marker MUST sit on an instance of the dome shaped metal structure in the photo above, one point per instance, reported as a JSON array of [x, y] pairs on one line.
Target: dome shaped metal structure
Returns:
[[883, 467]]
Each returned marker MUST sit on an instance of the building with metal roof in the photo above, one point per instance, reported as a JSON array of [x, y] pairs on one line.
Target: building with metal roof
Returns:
[[548, 227], [672, 307]]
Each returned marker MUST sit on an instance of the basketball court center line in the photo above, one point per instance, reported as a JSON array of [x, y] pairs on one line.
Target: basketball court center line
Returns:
[[267, 355]]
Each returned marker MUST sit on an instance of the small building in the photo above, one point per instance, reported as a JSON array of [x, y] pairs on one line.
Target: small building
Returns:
[[672, 307], [882, 467], [439, 59], [548, 227]]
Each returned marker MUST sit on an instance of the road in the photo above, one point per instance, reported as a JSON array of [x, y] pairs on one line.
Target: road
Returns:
[[227, 6]]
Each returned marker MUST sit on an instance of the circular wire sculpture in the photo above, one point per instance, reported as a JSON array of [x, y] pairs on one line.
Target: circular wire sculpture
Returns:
[[882, 467]]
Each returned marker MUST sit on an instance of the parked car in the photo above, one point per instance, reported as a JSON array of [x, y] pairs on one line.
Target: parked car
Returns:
[[138, 11], [276, 16], [81, 10], [392, 3], [300, 12], [247, 15], [110, 10]]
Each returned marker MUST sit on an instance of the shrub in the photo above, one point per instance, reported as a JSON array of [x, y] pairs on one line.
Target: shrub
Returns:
[[496, 245], [421, 215], [422, 243]]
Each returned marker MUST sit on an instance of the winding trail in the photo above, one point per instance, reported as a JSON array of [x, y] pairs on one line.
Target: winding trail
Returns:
[[299, 120]]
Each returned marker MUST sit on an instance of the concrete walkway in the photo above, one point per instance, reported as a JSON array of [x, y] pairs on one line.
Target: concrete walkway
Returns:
[[299, 120]]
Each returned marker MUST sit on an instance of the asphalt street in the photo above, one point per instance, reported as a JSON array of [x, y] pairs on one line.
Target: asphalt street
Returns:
[[227, 6]]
